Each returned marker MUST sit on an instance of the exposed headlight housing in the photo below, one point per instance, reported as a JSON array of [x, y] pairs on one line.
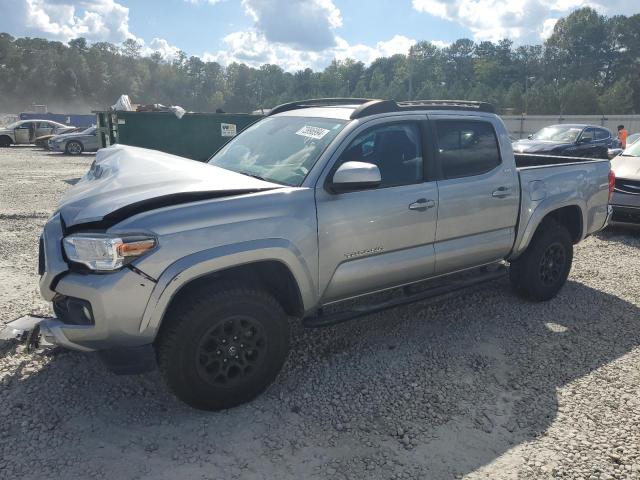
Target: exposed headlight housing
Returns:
[[105, 253]]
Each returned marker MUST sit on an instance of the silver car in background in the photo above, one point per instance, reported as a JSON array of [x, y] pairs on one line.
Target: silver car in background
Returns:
[[626, 194], [75, 143]]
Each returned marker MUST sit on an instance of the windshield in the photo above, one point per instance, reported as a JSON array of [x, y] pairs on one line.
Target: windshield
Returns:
[[13, 125], [558, 133], [633, 150], [279, 149]]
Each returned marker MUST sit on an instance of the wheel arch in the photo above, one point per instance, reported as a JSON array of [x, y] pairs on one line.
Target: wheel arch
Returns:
[[571, 216], [4, 136], [277, 269]]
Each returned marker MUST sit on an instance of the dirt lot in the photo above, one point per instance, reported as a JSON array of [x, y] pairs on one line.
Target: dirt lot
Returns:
[[483, 385]]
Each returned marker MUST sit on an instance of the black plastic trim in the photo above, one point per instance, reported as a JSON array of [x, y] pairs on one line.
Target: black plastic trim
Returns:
[[155, 203]]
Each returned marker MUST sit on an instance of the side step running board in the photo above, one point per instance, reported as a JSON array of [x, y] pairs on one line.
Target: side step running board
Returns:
[[325, 320]]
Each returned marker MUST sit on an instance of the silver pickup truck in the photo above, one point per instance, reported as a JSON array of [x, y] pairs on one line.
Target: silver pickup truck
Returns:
[[198, 267]]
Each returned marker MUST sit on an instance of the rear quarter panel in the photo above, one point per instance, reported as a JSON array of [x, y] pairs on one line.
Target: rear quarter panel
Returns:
[[548, 188]]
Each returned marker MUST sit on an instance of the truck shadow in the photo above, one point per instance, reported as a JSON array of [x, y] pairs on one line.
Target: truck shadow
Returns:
[[436, 389]]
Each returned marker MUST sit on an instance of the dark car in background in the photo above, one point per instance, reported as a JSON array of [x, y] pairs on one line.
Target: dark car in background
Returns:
[[570, 140], [626, 193]]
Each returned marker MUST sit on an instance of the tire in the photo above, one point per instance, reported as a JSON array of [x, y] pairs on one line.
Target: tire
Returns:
[[73, 147], [542, 270], [223, 349], [5, 141]]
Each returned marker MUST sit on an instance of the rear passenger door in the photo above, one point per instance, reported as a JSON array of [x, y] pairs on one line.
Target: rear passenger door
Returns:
[[43, 128], [478, 194]]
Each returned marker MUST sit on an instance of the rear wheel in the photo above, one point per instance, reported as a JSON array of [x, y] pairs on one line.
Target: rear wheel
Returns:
[[5, 141], [74, 147], [223, 349], [542, 270]]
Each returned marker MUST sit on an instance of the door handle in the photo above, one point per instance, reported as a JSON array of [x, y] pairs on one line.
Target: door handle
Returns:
[[501, 192], [422, 204]]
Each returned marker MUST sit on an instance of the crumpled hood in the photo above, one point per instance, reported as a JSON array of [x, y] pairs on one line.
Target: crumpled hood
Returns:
[[124, 180], [536, 146], [626, 167]]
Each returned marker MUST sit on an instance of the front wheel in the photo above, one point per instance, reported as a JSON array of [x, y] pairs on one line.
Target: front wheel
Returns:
[[74, 148], [224, 348], [5, 141], [542, 270]]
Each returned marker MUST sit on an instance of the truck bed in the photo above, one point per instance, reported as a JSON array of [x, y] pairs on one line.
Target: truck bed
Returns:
[[528, 160]]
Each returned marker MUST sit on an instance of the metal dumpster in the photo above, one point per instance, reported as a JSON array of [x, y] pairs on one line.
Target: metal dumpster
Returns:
[[195, 135]]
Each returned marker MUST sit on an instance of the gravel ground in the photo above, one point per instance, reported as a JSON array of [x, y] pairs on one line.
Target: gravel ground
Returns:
[[481, 385]]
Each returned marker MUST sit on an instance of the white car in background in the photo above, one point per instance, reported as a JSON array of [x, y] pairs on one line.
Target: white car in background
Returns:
[[24, 132]]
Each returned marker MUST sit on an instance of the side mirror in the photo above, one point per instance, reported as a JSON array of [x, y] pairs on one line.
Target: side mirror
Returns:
[[529, 137], [355, 176], [585, 140]]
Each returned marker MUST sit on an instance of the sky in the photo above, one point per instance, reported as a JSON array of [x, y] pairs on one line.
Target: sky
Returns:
[[294, 34]]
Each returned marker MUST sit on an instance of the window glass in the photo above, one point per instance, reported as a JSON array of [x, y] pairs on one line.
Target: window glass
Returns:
[[587, 136], [558, 133], [279, 149], [466, 148], [602, 134], [394, 148]]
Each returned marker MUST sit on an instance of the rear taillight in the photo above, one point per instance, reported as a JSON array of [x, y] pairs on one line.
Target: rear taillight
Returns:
[[612, 183]]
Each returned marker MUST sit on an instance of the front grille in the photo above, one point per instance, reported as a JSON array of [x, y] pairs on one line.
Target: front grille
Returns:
[[631, 187], [41, 267]]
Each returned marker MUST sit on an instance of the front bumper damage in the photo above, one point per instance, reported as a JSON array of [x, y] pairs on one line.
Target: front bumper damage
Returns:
[[93, 312], [37, 331]]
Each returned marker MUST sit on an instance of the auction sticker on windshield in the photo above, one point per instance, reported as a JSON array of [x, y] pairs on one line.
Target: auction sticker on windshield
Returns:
[[312, 132], [228, 129]]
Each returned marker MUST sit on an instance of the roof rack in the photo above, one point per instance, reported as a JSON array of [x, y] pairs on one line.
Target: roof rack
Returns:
[[368, 106], [385, 106], [319, 102]]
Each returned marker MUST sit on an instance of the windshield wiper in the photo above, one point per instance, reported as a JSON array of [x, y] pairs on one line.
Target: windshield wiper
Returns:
[[253, 175]]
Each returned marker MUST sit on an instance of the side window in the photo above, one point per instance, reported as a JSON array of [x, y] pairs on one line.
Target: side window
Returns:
[[466, 148], [587, 135], [394, 148], [602, 134]]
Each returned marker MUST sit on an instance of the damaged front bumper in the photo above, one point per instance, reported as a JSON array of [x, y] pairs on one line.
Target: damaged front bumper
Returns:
[[93, 311], [39, 332]]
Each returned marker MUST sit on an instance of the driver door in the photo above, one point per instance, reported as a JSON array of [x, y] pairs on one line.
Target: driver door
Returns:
[[23, 133], [379, 237]]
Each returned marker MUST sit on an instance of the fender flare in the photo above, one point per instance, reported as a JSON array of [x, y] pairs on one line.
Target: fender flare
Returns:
[[205, 262], [544, 208]]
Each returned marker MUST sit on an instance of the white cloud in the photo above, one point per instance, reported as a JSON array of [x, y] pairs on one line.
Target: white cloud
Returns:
[[298, 34], [97, 20], [521, 21], [161, 46], [252, 48], [302, 24]]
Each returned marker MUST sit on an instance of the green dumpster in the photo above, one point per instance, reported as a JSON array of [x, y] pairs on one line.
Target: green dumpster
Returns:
[[195, 135]]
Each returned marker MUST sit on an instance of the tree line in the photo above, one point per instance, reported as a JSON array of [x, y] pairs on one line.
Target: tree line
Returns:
[[589, 65]]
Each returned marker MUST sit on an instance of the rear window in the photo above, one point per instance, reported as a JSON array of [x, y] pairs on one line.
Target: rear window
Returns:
[[466, 148]]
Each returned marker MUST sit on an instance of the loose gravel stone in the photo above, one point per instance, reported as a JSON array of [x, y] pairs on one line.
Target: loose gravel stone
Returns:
[[478, 385]]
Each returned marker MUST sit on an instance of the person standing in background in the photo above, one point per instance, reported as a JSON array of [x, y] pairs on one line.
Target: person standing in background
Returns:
[[622, 136]]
